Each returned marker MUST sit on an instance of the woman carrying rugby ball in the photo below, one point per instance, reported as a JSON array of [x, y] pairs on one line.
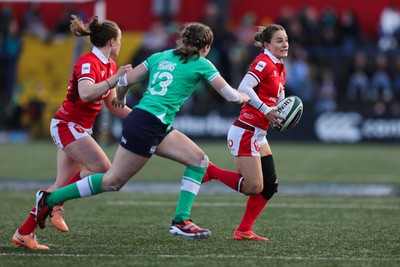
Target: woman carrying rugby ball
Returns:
[[264, 83]]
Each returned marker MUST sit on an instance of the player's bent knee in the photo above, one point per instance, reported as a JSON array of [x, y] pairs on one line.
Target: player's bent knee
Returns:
[[269, 190], [269, 177], [253, 189], [204, 162], [111, 189]]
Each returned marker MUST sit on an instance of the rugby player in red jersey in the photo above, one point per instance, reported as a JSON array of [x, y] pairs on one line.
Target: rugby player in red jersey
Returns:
[[91, 84], [264, 83]]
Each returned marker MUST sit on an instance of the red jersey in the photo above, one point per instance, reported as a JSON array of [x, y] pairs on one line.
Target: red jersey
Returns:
[[93, 66], [270, 74]]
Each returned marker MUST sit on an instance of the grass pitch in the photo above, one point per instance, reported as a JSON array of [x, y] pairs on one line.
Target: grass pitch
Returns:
[[125, 229], [120, 229], [295, 162]]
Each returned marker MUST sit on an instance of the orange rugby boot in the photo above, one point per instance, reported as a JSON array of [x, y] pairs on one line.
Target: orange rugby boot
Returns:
[[28, 241], [248, 235], [57, 219]]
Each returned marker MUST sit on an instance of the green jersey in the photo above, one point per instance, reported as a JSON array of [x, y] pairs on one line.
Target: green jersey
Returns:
[[171, 82]]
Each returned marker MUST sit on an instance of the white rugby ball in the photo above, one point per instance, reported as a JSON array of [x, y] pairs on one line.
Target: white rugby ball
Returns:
[[292, 109]]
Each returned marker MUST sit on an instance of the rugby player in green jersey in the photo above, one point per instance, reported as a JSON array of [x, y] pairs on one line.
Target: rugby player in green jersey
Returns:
[[172, 76]]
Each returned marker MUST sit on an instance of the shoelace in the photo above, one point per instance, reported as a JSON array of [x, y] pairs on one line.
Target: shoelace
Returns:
[[191, 227]]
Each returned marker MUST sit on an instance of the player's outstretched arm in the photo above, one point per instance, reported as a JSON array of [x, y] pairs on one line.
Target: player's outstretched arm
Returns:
[[227, 92]]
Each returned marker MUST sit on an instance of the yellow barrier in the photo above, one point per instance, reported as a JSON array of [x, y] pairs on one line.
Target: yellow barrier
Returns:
[[44, 71]]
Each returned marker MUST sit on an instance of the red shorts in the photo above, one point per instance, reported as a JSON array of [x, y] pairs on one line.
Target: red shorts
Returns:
[[245, 140], [64, 133]]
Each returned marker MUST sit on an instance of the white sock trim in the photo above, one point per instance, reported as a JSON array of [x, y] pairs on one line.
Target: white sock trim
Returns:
[[85, 186], [190, 185], [240, 184]]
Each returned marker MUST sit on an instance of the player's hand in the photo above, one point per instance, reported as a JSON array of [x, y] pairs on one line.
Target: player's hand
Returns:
[[243, 98], [124, 69], [274, 117], [118, 103]]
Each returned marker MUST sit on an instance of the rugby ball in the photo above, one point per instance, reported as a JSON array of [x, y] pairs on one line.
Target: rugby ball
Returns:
[[292, 109]]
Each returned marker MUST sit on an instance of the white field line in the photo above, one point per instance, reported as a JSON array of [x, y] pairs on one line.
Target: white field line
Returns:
[[209, 256], [270, 205]]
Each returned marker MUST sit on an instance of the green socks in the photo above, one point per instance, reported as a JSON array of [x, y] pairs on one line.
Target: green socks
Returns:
[[190, 186], [92, 185], [88, 186]]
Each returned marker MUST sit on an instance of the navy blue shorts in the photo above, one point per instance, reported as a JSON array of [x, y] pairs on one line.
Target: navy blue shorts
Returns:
[[142, 132]]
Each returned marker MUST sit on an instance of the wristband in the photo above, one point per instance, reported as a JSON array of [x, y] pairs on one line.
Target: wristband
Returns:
[[109, 86], [265, 109], [123, 80]]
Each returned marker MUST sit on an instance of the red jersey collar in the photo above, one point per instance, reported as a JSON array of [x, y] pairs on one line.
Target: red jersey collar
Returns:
[[272, 57], [100, 55]]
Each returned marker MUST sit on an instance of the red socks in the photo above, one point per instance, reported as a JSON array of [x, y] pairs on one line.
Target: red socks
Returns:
[[74, 179], [255, 205], [231, 179], [30, 224]]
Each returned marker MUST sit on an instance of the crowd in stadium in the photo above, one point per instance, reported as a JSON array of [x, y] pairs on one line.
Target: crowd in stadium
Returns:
[[332, 63]]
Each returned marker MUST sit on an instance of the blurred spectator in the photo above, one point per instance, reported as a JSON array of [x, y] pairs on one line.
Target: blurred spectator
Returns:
[[245, 30], [223, 39], [154, 40], [33, 103], [243, 50], [5, 18], [61, 28], [286, 14], [309, 18], [329, 26], [165, 10], [389, 28], [381, 84], [358, 81], [33, 23], [350, 32], [395, 104], [223, 6], [299, 76], [296, 33], [326, 92], [10, 51], [396, 78]]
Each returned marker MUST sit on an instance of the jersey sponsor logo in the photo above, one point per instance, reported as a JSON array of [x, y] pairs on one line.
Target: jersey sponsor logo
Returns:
[[78, 129], [339, 127], [153, 149], [102, 73], [230, 143], [256, 146], [261, 65], [85, 68], [62, 109], [166, 65], [248, 116], [20, 239]]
